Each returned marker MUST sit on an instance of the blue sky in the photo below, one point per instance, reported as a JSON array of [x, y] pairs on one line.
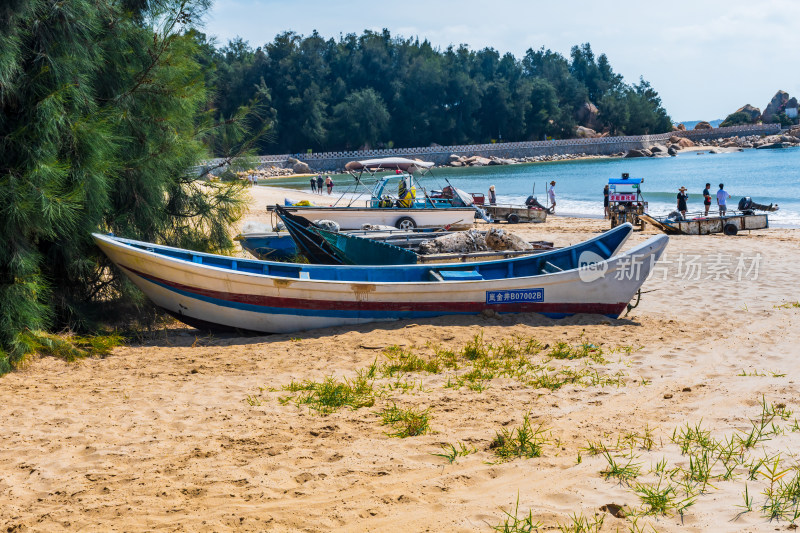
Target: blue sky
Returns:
[[706, 58]]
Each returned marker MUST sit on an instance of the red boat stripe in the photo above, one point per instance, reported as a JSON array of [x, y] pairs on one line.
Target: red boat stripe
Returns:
[[450, 307]]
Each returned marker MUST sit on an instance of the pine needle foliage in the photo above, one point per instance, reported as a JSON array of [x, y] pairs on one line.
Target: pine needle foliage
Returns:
[[102, 117]]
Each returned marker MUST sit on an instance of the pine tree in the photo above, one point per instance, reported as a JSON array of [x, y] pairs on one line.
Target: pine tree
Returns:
[[101, 121]]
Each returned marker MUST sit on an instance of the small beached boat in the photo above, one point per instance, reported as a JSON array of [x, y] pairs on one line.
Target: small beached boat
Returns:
[[279, 246], [214, 291], [404, 211]]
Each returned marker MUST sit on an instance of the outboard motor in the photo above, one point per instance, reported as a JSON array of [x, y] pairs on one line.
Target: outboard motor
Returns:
[[531, 201], [747, 206]]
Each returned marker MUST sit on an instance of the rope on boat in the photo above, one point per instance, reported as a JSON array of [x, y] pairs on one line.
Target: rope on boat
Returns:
[[638, 299]]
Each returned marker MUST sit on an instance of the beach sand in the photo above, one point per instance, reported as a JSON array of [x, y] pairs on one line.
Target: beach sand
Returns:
[[188, 431]]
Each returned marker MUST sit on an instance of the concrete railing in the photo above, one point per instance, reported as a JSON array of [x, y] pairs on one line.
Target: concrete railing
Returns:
[[332, 161]]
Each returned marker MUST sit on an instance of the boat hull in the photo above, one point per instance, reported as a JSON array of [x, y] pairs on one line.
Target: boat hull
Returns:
[[350, 218], [274, 304]]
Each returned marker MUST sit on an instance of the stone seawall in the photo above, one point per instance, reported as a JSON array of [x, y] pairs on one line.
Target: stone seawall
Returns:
[[335, 161]]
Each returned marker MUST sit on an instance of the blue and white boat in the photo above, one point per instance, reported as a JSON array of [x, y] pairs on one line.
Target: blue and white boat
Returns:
[[406, 210], [214, 291]]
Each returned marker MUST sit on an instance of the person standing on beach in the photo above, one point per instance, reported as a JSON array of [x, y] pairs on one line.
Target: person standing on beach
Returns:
[[682, 197], [707, 197], [606, 213], [551, 193], [313, 184], [722, 199], [320, 181], [329, 183], [492, 195]]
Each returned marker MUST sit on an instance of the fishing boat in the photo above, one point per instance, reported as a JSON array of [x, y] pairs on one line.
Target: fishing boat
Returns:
[[279, 245], [405, 210], [219, 292]]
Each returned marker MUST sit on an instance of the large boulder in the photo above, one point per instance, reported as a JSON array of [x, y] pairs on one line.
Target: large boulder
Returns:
[[454, 157], [644, 152], [658, 149], [587, 116], [583, 132], [753, 112], [301, 168], [500, 239], [703, 125], [679, 127], [477, 161], [683, 142], [775, 107]]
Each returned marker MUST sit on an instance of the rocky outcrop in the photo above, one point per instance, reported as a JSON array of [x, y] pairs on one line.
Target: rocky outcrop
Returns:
[[775, 107], [644, 152], [583, 132], [683, 142], [753, 112], [703, 126], [679, 127], [301, 168], [587, 116]]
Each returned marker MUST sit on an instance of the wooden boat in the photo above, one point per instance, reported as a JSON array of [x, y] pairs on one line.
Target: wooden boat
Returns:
[[219, 292], [384, 209], [279, 246], [322, 247]]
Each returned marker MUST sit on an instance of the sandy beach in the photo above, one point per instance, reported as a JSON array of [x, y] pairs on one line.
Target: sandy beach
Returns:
[[194, 432]]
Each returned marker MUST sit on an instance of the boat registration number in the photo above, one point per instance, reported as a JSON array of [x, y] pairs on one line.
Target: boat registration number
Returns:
[[524, 295]]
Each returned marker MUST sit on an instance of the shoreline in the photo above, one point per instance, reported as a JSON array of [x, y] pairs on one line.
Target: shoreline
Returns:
[[306, 195]]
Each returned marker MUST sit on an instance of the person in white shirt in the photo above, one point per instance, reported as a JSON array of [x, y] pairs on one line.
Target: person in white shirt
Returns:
[[551, 193], [722, 199]]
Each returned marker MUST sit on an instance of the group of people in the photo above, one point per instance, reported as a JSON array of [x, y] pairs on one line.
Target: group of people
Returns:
[[722, 199], [317, 183]]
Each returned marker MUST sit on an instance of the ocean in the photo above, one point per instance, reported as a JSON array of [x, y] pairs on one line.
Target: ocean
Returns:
[[767, 176]]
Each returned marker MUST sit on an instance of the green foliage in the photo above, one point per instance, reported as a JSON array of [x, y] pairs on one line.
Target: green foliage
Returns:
[[377, 90], [330, 395], [514, 523], [523, 441], [409, 422], [102, 116], [736, 119]]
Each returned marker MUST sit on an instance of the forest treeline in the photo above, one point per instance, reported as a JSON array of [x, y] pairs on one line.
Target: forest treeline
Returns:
[[375, 90]]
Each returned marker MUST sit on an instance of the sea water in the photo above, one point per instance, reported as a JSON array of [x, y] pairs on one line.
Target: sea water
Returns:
[[767, 176]]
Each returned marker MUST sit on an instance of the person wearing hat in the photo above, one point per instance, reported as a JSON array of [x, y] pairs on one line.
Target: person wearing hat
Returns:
[[551, 193], [492, 195], [682, 197]]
